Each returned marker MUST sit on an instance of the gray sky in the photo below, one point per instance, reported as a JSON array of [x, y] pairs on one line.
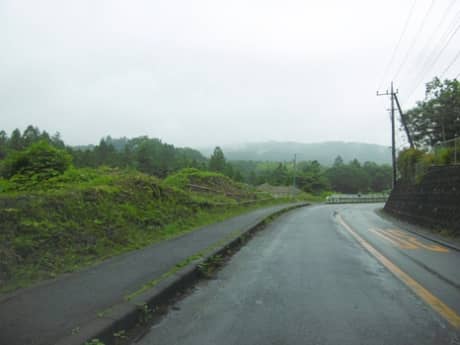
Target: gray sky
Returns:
[[204, 73]]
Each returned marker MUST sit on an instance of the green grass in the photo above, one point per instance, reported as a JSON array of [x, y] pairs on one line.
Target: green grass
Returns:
[[87, 215]]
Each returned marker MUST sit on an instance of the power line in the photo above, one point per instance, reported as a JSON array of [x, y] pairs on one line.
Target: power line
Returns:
[[403, 32], [430, 62], [422, 75], [445, 35], [450, 64], [414, 40], [438, 26]]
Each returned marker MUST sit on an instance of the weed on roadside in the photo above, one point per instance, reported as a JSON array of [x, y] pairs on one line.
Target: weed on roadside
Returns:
[[146, 313], [94, 341], [208, 267], [120, 336]]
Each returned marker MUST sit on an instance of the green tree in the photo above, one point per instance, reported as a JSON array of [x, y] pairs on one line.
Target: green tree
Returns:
[[237, 176], [338, 161], [280, 176], [3, 144], [105, 153], [310, 177], [437, 117], [30, 135], [57, 141], [252, 179], [312, 183], [15, 142], [217, 161], [379, 175], [348, 178], [228, 170], [145, 158], [40, 160]]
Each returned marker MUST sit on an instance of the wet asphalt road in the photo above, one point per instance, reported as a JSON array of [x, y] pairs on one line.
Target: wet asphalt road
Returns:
[[306, 280], [42, 314]]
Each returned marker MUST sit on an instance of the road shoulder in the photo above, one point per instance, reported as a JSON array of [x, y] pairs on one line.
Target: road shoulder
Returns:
[[427, 233]]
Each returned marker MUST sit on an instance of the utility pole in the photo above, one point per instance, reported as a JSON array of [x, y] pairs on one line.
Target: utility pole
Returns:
[[393, 134], [403, 120], [392, 94], [293, 180]]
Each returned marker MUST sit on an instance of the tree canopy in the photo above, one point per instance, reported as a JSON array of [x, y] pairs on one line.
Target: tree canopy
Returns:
[[436, 118], [39, 159], [33, 149], [217, 161]]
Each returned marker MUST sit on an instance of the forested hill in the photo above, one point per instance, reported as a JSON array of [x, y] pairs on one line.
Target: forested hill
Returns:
[[324, 153]]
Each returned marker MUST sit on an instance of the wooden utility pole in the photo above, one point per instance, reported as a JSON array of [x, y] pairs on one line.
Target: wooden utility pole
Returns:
[[293, 180], [393, 134], [392, 95]]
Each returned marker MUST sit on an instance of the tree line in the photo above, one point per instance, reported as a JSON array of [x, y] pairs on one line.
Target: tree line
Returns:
[[312, 177], [154, 157]]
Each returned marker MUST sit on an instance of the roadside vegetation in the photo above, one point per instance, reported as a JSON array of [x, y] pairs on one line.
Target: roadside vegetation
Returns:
[[434, 124], [64, 208], [85, 215]]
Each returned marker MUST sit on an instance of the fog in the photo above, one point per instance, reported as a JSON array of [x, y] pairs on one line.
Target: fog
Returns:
[[202, 73]]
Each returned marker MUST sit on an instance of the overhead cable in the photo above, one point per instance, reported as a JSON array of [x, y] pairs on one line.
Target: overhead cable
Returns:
[[450, 64], [438, 26], [422, 75], [396, 48], [414, 41]]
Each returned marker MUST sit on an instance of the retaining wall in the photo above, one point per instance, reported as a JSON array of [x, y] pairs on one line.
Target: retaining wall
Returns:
[[434, 202]]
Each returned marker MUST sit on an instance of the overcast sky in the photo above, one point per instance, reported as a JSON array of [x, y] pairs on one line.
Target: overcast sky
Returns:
[[203, 73]]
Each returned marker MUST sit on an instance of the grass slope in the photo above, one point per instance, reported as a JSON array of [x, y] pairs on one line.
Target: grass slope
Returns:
[[87, 215]]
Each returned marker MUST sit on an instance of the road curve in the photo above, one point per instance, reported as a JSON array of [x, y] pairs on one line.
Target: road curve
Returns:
[[306, 279], [47, 312]]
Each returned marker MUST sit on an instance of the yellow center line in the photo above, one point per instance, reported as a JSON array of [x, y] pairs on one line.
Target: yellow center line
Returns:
[[445, 311]]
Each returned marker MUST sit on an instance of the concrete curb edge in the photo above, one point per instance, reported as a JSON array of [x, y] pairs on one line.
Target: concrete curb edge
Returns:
[[126, 315]]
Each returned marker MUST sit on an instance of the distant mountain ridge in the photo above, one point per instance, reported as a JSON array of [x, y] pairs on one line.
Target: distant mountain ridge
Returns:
[[324, 152]]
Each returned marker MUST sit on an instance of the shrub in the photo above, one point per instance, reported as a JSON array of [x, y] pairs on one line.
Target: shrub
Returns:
[[409, 164], [39, 161], [444, 156], [413, 163]]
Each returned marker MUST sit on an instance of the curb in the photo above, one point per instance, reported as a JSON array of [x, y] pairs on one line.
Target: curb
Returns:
[[127, 315], [423, 235]]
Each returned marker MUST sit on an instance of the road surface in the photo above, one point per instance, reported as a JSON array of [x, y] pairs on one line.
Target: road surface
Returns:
[[43, 314], [327, 274]]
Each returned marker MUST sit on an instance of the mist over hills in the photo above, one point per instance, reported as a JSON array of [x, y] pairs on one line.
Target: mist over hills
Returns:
[[324, 153]]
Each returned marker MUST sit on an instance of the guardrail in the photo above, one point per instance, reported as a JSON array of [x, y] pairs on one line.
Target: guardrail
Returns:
[[356, 198]]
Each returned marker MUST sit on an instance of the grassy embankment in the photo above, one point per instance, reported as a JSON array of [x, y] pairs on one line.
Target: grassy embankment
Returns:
[[85, 215]]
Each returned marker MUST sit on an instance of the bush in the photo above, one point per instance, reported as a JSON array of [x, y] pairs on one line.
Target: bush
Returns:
[[39, 161], [408, 161], [4, 185], [444, 156], [413, 164]]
